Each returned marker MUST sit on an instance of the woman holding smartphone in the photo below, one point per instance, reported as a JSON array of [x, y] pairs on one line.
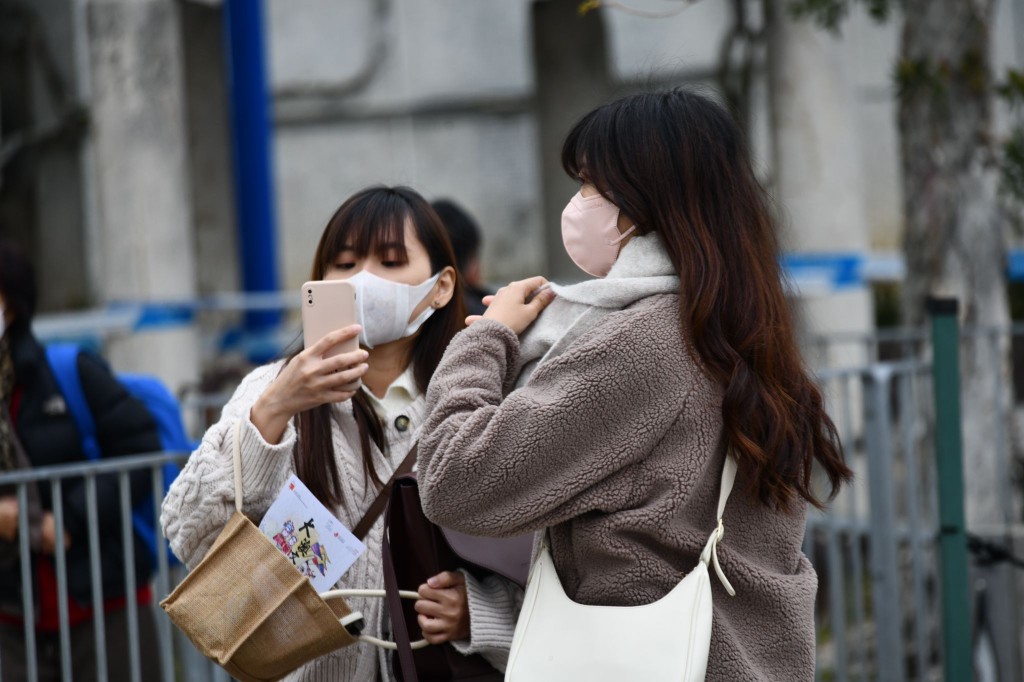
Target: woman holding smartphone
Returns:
[[633, 387], [304, 415]]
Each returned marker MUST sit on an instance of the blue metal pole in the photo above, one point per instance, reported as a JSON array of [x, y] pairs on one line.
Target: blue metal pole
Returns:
[[251, 139]]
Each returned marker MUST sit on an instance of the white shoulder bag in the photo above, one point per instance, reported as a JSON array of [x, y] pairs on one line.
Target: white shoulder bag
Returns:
[[557, 639]]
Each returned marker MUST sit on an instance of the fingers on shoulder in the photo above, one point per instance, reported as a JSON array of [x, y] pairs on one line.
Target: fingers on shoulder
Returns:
[[531, 283]]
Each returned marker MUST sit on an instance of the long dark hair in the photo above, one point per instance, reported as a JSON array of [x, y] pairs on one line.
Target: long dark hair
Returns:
[[17, 284], [373, 221], [677, 164]]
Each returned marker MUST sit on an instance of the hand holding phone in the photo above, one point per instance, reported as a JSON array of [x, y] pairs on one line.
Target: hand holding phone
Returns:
[[329, 370]]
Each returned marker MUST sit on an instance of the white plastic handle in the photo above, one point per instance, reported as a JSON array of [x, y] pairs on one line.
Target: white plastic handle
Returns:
[[356, 615]]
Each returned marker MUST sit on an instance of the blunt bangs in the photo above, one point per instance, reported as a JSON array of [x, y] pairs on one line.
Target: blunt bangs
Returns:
[[373, 222]]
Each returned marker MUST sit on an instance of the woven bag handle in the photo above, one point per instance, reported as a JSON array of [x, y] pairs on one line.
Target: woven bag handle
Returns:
[[236, 456], [355, 615]]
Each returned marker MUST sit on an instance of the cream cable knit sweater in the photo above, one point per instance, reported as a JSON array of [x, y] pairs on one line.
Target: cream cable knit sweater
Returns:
[[201, 500]]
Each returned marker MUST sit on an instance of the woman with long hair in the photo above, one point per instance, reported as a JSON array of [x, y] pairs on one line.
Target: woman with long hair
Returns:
[[302, 415], [608, 422]]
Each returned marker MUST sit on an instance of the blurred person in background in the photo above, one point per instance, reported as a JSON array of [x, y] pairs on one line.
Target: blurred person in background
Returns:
[[464, 234], [301, 415], [31, 396]]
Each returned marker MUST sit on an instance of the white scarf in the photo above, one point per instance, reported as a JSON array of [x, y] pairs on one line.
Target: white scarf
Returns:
[[643, 269]]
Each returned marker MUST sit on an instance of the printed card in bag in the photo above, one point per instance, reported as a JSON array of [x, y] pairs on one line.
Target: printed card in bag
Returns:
[[317, 543]]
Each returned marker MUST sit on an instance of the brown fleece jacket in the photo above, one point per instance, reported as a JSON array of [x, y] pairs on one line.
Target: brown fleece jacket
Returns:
[[615, 445]]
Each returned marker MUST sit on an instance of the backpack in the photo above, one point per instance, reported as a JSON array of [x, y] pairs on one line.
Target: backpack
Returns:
[[162, 406]]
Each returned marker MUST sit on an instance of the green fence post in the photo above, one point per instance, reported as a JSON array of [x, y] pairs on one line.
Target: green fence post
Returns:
[[956, 624]]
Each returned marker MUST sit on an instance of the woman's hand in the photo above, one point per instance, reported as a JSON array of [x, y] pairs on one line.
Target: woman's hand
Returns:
[[48, 535], [512, 305], [309, 380], [443, 608], [8, 518]]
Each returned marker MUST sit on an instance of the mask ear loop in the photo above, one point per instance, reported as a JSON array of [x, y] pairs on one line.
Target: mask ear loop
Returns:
[[613, 242], [412, 327]]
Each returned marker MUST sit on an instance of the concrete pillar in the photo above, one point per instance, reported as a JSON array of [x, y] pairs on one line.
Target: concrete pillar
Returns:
[[48, 224], [818, 176], [143, 240], [210, 173], [572, 77]]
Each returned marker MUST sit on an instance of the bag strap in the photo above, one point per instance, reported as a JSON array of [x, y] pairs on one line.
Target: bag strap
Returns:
[[728, 480], [710, 553], [399, 629], [377, 506], [63, 360], [236, 456]]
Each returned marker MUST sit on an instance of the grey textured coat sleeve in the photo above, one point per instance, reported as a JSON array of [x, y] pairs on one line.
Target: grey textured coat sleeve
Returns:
[[491, 464]]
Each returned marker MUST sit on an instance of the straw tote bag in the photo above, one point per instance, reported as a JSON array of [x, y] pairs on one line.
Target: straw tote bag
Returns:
[[247, 608], [558, 639]]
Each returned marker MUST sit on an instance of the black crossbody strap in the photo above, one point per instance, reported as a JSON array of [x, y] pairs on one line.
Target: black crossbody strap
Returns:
[[378, 505], [399, 628]]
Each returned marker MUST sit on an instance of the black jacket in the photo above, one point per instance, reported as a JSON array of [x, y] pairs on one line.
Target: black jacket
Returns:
[[49, 436]]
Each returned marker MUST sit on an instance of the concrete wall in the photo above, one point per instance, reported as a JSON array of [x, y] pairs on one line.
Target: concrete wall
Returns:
[[47, 177], [366, 96], [210, 172], [870, 51], [144, 239], [408, 95], [486, 162], [438, 95]]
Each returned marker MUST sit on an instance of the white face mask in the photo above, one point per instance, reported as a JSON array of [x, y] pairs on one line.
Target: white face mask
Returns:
[[383, 307]]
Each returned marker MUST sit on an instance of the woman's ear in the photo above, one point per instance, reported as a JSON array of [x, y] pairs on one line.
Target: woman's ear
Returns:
[[445, 288]]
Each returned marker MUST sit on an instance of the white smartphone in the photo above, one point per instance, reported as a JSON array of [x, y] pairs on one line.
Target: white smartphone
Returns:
[[326, 306]]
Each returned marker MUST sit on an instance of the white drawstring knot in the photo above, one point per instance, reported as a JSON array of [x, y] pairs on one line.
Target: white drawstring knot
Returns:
[[710, 553]]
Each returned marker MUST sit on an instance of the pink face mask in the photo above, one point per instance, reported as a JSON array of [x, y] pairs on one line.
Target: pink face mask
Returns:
[[590, 234]]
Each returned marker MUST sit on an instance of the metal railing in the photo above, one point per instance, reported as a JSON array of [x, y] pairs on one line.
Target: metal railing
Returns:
[[875, 549], [874, 542], [56, 477]]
